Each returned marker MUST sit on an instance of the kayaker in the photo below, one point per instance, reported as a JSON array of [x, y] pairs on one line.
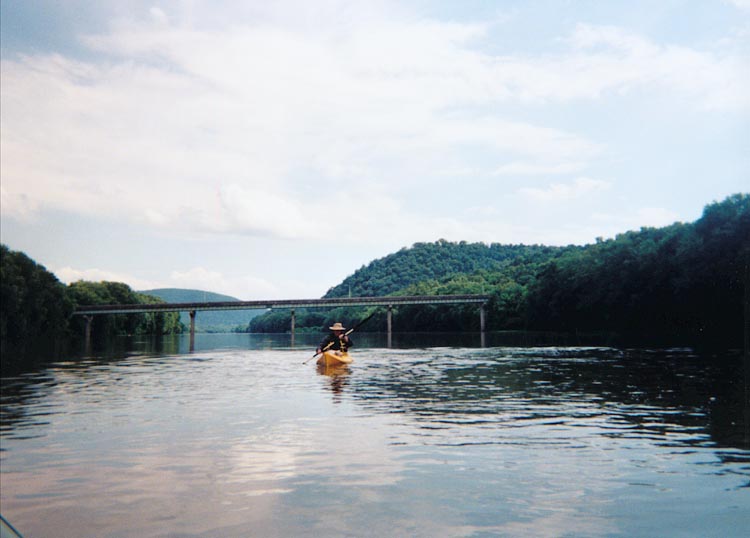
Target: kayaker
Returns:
[[336, 341]]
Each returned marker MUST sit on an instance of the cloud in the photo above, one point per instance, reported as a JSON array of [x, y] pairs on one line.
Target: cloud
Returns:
[[242, 286], [638, 218], [260, 211], [611, 59], [68, 275], [532, 169], [558, 192], [158, 15], [740, 4], [246, 127], [18, 204]]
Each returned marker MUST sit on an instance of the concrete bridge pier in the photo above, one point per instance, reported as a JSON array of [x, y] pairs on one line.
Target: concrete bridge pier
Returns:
[[482, 325], [746, 353], [192, 330], [87, 334], [291, 328], [390, 325]]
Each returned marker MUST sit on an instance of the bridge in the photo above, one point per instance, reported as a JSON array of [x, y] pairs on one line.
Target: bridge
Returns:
[[88, 311]]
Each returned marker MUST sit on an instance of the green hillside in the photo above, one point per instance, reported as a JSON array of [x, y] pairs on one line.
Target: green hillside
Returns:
[[441, 267], [210, 320], [679, 284], [36, 318], [434, 261]]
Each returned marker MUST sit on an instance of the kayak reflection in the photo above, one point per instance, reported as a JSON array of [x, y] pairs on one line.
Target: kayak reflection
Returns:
[[338, 375]]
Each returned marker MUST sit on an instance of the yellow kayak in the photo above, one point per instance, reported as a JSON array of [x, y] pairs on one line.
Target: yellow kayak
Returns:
[[333, 371], [334, 358]]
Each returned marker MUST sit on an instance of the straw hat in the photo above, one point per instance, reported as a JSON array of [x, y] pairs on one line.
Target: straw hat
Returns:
[[337, 327]]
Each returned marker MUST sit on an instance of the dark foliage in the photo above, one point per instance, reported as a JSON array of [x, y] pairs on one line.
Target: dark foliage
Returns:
[[93, 293], [681, 284], [34, 307], [36, 310], [433, 261]]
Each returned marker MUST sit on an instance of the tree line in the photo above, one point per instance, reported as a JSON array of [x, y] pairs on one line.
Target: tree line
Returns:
[[685, 284], [37, 309], [681, 284]]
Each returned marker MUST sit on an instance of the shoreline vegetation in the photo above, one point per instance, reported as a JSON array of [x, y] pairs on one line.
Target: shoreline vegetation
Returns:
[[684, 284], [37, 310]]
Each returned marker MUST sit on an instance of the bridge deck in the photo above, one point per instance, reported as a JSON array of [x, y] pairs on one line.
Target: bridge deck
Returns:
[[284, 303]]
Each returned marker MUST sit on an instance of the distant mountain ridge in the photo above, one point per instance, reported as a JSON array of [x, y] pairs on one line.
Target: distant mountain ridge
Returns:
[[178, 295], [210, 320]]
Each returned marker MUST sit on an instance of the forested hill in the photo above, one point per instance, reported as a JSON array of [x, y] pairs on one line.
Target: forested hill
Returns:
[[36, 311], [435, 261], [178, 295], [679, 284], [208, 320]]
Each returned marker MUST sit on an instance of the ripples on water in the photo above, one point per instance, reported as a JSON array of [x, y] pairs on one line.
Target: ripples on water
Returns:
[[490, 394], [431, 442]]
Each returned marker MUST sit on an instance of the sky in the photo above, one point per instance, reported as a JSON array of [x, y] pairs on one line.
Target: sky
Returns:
[[267, 150]]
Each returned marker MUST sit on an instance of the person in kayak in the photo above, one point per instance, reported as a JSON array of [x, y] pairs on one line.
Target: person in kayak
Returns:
[[337, 341]]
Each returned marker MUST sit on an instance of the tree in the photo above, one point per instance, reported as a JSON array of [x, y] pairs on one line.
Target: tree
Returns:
[[35, 308], [105, 326], [681, 284]]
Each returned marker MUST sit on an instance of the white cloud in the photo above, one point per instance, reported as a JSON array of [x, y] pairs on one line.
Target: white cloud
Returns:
[[532, 169], [636, 219], [69, 274], [260, 211], [243, 286], [740, 4], [613, 59], [158, 15], [246, 128], [238, 286], [557, 192], [18, 204]]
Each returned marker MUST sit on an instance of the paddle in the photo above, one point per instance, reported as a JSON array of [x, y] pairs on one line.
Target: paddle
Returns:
[[347, 333]]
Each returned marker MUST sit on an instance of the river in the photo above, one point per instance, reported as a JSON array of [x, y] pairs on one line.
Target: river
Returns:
[[429, 438]]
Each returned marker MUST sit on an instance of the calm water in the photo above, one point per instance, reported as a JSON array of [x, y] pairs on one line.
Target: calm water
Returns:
[[239, 438]]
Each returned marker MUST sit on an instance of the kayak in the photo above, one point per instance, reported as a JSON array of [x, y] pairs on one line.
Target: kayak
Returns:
[[333, 358], [333, 370]]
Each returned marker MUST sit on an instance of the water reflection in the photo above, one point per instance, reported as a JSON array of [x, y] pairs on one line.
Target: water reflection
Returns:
[[668, 397], [430, 441], [337, 376]]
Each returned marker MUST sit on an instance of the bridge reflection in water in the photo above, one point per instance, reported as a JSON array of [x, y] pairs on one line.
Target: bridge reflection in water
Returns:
[[89, 311]]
